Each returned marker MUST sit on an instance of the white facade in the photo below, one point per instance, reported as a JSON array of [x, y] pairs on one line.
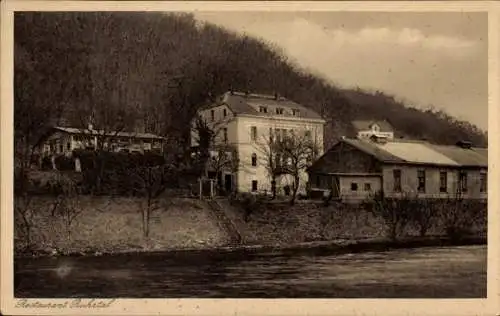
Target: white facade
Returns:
[[375, 130], [249, 135]]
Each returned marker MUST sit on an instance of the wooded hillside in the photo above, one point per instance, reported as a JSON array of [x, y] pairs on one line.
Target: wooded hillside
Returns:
[[161, 67]]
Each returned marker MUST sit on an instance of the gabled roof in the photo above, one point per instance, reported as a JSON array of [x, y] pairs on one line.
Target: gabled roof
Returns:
[[242, 103], [368, 148], [363, 125], [82, 131], [420, 153]]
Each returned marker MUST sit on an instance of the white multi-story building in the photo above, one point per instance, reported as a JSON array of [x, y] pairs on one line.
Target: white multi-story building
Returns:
[[245, 122]]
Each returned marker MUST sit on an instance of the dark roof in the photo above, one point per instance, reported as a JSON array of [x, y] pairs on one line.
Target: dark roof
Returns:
[[74, 130], [242, 103], [420, 152], [363, 125]]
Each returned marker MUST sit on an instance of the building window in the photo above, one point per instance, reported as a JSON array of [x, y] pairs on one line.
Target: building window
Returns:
[[308, 135], [262, 109], [224, 130], [253, 133], [421, 181], [295, 112], [354, 186], [396, 174], [68, 146], [61, 148], [224, 112], [443, 182], [318, 181], [368, 187], [463, 181], [254, 160], [484, 182], [212, 115], [279, 110], [254, 185]]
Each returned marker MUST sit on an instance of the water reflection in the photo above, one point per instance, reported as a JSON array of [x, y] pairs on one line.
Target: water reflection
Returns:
[[431, 272]]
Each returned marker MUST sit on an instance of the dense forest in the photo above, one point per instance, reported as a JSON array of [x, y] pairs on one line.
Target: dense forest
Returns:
[[159, 68]]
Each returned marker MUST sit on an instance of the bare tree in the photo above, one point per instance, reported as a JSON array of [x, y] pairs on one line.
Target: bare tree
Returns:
[[298, 152], [32, 119], [423, 213], [149, 183], [224, 158], [396, 212], [24, 211], [269, 148], [460, 214], [68, 204], [206, 135]]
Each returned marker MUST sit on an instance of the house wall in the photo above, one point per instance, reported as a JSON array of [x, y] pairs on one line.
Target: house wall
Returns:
[[369, 133], [362, 193], [344, 158], [409, 181], [246, 147], [218, 122], [58, 143]]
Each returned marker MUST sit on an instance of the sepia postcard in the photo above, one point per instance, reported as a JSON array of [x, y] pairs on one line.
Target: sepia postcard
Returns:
[[249, 158]]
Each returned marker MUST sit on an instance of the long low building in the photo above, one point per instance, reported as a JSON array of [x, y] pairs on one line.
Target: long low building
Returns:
[[63, 140], [354, 169]]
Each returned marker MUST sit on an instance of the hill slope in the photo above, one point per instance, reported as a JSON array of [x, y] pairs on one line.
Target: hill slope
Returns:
[[69, 65]]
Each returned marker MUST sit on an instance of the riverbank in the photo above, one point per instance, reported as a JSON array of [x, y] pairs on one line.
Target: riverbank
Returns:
[[113, 227], [306, 248], [106, 225]]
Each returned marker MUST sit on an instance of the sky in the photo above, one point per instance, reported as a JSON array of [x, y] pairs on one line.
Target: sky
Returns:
[[426, 59]]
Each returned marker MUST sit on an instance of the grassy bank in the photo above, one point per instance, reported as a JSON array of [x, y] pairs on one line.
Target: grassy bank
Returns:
[[281, 224], [111, 226]]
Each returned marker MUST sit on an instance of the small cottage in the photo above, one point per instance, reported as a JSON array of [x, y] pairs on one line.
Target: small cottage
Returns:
[[366, 129]]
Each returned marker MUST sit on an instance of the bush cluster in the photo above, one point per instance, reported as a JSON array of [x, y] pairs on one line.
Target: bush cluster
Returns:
[[457, 217], [106, 172]]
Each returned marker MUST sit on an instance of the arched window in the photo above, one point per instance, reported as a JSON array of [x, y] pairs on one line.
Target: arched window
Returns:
[[254, 160]]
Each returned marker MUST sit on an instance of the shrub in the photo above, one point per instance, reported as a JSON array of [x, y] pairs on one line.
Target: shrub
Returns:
[[46, 163], [64, 163], [396, 212], [108, 172], [423, 214], [460, 217]]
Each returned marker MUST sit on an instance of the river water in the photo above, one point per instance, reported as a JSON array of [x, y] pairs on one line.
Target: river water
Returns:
[[445, 272]]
